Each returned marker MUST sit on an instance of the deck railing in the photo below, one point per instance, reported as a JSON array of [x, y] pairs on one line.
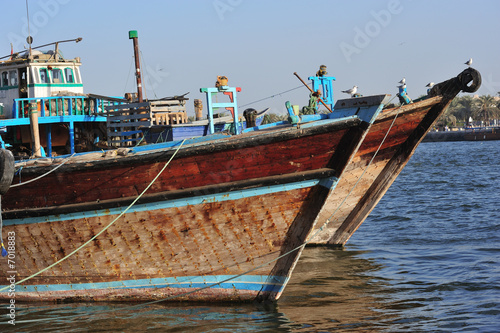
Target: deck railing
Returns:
[[62, 106]]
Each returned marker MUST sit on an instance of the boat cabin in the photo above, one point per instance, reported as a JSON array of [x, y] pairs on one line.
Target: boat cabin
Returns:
[[49, 87], [43, 74]]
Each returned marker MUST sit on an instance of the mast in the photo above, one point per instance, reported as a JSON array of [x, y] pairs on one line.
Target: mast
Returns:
[[133, 35]]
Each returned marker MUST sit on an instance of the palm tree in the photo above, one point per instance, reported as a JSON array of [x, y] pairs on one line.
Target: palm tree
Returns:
[[486, 108], [464, 108], [449, 116]]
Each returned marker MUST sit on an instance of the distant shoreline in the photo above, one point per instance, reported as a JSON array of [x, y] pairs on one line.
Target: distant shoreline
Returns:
[[476, 134]]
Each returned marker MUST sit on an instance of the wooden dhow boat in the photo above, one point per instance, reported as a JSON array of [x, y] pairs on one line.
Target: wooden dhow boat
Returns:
[[390, 142], [217, 218]]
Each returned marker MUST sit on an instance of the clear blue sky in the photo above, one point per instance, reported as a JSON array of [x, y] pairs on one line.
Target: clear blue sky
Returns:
[[258, 44]]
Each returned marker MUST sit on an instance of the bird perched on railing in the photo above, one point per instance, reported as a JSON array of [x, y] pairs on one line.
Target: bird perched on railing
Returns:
[[351, 91], [469, 62], [429, 86]]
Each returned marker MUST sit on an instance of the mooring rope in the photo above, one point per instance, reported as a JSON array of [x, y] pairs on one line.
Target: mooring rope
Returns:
[[105, 228], [41, 176], [272, 96], [128, 307]]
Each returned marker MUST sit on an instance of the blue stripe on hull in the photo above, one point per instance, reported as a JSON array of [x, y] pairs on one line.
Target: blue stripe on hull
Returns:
[[245, 282], [199, 200]]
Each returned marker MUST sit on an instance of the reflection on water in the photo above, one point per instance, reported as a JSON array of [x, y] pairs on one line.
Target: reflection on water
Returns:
[[329, 289]]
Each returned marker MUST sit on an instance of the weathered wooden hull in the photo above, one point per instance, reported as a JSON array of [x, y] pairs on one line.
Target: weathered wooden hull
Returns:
[[384, 152], [163, 252], [217, 225]]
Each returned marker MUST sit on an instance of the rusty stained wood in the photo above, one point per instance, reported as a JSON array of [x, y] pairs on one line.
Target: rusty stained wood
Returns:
[[226, 238]]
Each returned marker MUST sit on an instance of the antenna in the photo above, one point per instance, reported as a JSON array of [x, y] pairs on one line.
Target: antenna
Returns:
[[29, 39]]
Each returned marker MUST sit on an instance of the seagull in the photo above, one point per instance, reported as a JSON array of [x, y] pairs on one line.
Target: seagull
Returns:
[[469, 62], [351, 91], [403, 81], [430, 84]]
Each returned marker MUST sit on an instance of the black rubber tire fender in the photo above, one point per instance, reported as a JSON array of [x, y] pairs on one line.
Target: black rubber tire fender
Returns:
[[470, 74], [7, 170]]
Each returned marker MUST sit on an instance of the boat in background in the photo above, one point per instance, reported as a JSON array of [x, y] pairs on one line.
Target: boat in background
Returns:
[[384, 152], [482, 133]]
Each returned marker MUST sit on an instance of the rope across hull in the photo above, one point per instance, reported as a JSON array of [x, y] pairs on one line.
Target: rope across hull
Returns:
[[158, 253], [224, 222]]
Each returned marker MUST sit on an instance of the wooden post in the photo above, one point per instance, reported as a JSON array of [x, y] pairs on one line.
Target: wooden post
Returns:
[[198, 109], [35, 133]]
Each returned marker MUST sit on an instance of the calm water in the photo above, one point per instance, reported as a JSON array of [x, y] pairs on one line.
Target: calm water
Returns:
[[426, 260]]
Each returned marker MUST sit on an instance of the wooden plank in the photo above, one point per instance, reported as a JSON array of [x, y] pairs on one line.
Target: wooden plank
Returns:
[[171, 102], [108, 98], [123, 133], [131, 124], [410, 108], [125, 112], [127, 106], [129, 117], [168, 109]]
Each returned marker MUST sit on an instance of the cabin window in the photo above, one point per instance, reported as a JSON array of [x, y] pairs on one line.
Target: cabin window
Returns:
[[34, 77], [56, 75], [77, 76], [44, 76], [13, 78], [68, 74], [5, 79]]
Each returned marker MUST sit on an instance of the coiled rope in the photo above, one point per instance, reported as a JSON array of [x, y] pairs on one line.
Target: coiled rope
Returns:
[[130, 307]]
